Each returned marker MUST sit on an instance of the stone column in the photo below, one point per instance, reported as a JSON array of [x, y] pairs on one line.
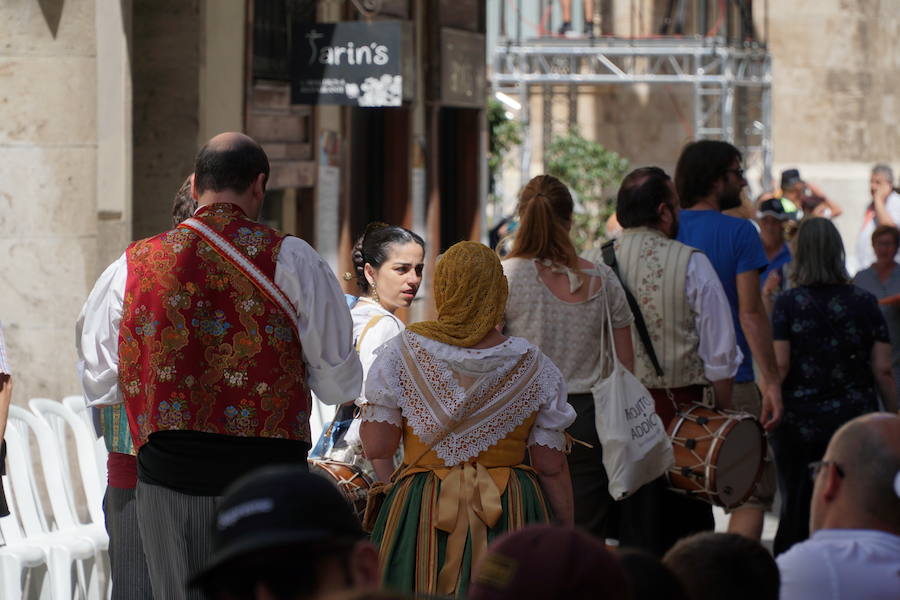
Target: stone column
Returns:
[[48, 207]]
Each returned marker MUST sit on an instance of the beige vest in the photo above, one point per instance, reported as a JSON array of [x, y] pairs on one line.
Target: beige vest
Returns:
[[654, 268]]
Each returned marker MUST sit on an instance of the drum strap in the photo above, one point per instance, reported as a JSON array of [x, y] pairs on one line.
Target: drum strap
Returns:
[[609, 257]]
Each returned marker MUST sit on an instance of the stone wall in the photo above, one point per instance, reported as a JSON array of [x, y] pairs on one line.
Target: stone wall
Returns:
[[835, 67], [166, 50], [48, 214]]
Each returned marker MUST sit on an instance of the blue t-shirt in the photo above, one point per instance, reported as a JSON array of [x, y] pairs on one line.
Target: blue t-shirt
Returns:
[[733, 247], [782, 258]]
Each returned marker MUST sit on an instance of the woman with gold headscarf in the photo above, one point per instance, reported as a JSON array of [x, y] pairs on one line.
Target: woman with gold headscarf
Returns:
[[467, 403]]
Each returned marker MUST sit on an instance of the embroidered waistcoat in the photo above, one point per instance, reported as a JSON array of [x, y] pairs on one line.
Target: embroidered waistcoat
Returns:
[[654, 268], [201, 348]]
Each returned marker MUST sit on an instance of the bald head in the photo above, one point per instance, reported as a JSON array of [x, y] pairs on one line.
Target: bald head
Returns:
[[867, 449], [230, 161]]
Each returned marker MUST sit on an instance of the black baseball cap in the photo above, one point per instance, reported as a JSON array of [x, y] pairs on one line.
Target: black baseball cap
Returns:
[[776, 207], [789, 177], [277, 506]]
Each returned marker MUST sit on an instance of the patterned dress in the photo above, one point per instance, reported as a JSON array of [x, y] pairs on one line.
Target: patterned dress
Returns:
[[468, 417], [831, 330]]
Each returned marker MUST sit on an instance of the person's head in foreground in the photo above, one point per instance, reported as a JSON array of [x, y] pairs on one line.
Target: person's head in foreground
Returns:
[[713, 566], [282, 533], [547, 561], [648, 577], [854, 550], [857, 483]]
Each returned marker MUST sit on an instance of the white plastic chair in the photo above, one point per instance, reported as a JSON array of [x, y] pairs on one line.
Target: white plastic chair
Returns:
[[60, 419], [65, 542], [17, 555], [78, 405]]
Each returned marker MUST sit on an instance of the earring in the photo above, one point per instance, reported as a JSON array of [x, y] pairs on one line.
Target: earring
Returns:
[[375, 294]]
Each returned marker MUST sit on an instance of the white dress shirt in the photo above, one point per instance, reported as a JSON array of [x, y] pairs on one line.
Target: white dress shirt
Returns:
[[842, 564], [718, 347], [333, 370]]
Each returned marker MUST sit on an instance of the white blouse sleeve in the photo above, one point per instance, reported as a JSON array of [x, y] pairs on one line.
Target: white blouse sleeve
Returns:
[[382, 390], [382, 331], [555, 414], [324, 323], [97, 336]]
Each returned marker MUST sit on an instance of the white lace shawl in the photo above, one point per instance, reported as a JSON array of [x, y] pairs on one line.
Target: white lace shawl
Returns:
[[418, 379]]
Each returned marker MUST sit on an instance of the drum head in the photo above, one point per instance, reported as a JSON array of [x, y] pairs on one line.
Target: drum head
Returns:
[[738, 462]]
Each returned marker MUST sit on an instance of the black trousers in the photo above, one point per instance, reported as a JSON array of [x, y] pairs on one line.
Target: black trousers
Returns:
[[589, 481], [793, 454], [655, 517]]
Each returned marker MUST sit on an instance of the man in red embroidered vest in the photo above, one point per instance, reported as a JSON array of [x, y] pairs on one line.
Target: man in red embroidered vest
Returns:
[[212, 334]]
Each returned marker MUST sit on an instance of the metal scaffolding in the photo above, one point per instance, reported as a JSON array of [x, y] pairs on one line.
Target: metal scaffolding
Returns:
[[731, 82]]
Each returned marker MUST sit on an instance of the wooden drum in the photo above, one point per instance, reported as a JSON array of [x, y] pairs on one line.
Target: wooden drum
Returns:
[[718, 454], [350, 480]]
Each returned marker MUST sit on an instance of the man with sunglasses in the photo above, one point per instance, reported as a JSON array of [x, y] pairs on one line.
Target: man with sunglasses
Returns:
[[709, 179], [854, 550]]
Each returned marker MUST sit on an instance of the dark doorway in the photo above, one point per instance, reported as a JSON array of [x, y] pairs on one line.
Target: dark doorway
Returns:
[[379, 184], [458, 176]]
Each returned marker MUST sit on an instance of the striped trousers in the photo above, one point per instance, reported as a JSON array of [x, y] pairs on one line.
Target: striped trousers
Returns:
[[176, 530], [130, 580]]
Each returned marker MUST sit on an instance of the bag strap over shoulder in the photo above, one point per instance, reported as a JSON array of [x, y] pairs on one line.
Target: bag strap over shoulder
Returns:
[[609, 257], [372, 322]]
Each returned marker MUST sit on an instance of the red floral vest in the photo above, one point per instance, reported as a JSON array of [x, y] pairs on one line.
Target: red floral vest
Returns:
[[200, 347]]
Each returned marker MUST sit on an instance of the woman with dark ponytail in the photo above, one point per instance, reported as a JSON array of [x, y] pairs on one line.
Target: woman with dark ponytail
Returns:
[[557, 301], [388, 261]]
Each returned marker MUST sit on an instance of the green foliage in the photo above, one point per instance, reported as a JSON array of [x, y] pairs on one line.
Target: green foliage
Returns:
[[504, 135], [593, 174]]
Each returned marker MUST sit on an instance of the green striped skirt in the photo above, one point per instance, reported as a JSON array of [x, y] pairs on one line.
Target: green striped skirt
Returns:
[[412, 550]]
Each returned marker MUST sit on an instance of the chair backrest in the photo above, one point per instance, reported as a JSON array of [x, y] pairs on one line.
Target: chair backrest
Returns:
[[26, 503], [50, 463], [23, 516], [58, 417], [78, 405]]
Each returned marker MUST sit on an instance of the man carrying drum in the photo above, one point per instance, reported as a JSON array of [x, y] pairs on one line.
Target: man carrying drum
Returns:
[[709, 180], [688, 322]]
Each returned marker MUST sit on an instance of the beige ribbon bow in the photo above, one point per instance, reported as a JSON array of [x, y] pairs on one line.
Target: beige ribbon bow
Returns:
[[469, 501]]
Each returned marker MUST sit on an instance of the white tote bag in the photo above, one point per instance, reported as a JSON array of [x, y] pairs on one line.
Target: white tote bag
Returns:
[[636, 447]]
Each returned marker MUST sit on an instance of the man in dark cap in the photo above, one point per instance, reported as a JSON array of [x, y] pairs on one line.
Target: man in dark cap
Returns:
[[282, 532]]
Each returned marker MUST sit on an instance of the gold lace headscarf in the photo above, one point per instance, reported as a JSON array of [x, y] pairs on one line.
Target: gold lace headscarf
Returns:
[[470, 292]]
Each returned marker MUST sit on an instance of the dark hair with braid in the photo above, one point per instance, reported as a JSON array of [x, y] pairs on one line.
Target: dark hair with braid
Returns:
[[372, 248]]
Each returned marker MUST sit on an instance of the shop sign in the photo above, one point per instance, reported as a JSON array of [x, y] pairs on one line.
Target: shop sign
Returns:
[[463, 77], [355, 63]]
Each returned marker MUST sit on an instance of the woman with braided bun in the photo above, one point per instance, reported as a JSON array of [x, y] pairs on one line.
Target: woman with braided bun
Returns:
[[558, 301], [467, 402], [388, 261]]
